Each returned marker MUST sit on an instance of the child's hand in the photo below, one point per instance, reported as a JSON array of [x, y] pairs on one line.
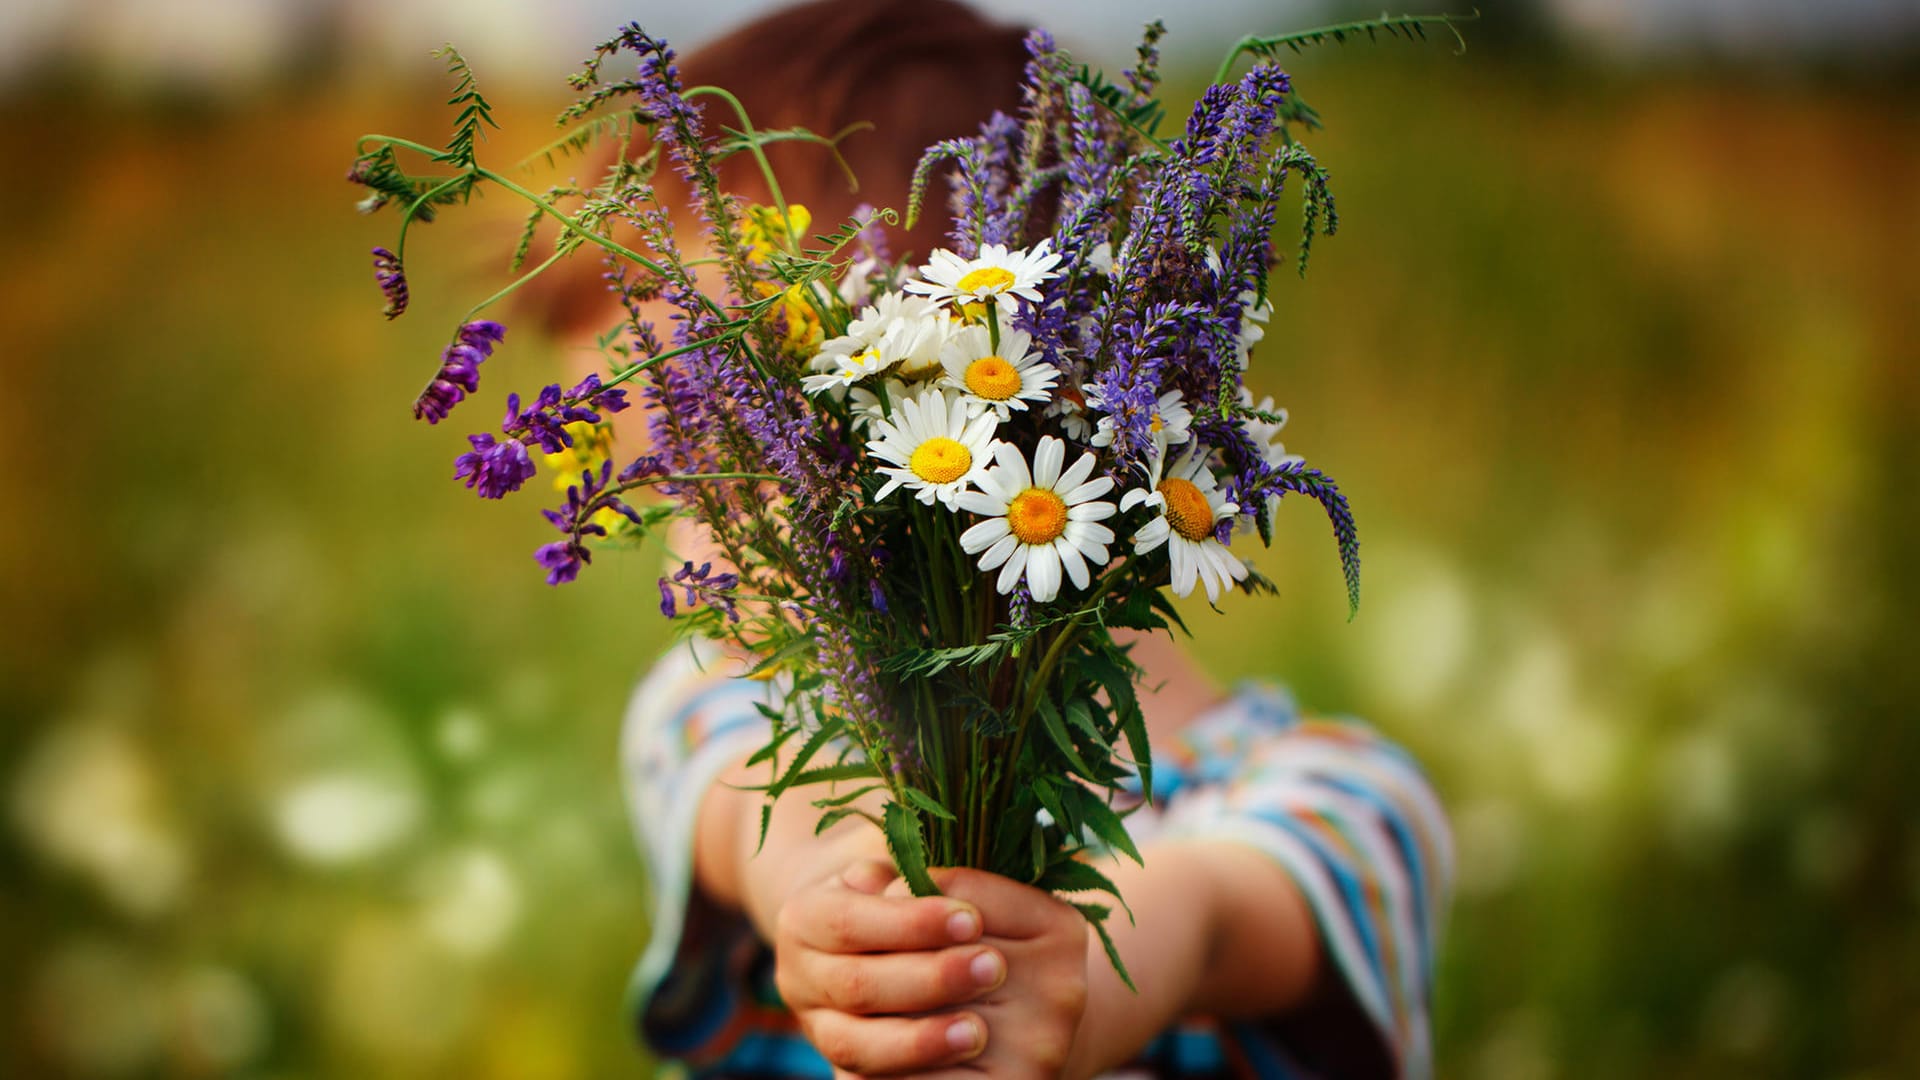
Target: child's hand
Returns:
[[850, 962], [1032, 1019]]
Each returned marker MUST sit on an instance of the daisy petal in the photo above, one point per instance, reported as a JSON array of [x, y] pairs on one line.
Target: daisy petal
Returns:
[[999, 552], [984, 535], [1072, 561], [1043, 572], [1046, 461], [1010, 573]]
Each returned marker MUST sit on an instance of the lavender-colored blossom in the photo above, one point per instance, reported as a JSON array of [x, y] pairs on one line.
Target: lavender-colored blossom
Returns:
[[494, 468], [703, 584], [392, 279], [459, 373], [1263, 480], [544, 421], [562, 559], [666, 599]]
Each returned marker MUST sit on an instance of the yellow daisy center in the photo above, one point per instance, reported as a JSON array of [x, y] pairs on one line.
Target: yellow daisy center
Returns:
[[991, 377], [1037, 516], [1156, 426], [987, 279], [941, 460], [1187, 509]]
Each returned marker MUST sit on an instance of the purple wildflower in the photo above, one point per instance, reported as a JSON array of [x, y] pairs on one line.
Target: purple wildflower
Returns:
[[494, 468], [563, 559], [459, 373], [392, 280], [666, 599], [703, 584]]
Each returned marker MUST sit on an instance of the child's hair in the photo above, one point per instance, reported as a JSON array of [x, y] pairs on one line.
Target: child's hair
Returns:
[[918, 70]]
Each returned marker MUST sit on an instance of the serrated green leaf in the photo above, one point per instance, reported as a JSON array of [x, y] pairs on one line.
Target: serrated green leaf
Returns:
[[830, 774], [842, 800], [1096, 916], [927, 802], [1079, 714], [1056, 730], [818, 739], [1102, 819], [909, 849], [838, 814]]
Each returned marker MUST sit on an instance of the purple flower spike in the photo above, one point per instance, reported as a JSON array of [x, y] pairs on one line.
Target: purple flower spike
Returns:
[[494, 468], [459, 373], [392, 280], [563, 559]]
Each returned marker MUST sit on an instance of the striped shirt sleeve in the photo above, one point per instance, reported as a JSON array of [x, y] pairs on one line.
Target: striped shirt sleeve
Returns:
[[687, 722], [1353, 820]]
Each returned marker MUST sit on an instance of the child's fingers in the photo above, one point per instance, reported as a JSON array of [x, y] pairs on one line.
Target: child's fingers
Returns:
[[903, 982], [881, 1045], [1011, 910], [842, 920], [870, 876]]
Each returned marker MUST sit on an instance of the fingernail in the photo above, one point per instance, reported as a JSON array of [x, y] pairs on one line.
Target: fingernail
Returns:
[[963, 1035], [963, 926], [988, 969]]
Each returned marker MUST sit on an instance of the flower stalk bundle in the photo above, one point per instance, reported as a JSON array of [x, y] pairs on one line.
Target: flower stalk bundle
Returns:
[[925, 497]]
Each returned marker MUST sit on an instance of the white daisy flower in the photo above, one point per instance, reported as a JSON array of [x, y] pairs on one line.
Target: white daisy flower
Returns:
[[1101, 259], [1189, 503], [1265, 434], [917, 344], [1254, 311], [932, 447], [999, 381], [1168, 424], [1039, 523], [875, 322], [865, 407], [1069, 407], [996, 275], [845, 371], [1253, 324]]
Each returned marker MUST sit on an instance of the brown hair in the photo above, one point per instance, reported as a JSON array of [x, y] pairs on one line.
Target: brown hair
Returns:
[[918, 70]]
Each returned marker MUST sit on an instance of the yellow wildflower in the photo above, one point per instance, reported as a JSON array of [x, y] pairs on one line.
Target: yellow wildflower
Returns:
[[764, 229], [592, 447]]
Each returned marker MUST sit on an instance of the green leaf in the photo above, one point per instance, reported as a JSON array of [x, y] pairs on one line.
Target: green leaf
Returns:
[[842, 800], [1102, 819], [909, 849], [1080, 715], [779, 656], [833, 817], [828, 774], [1071, 876], [927, 802], [766, 818], [818, 739], [1056, 730], [1096, 916], [772, 749]]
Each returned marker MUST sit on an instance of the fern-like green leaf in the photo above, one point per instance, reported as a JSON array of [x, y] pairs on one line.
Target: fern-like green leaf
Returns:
[[476, 113]]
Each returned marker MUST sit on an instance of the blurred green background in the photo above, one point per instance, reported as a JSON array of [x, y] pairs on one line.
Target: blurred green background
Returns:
[[306, 772]]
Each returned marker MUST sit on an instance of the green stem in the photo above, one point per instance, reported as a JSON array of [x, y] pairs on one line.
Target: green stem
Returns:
[[1392, 24], [759, 156]]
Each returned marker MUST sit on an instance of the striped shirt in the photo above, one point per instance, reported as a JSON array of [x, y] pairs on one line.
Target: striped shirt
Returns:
[[1346, 813]]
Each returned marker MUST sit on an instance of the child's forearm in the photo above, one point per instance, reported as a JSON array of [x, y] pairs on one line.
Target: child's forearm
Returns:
[[1219, 929]]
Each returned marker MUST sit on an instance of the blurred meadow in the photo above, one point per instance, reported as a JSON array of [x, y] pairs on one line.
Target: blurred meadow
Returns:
[[305, 772]]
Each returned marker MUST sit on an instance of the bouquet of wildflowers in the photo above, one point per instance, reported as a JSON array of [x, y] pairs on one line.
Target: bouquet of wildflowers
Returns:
[[928, 494]]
